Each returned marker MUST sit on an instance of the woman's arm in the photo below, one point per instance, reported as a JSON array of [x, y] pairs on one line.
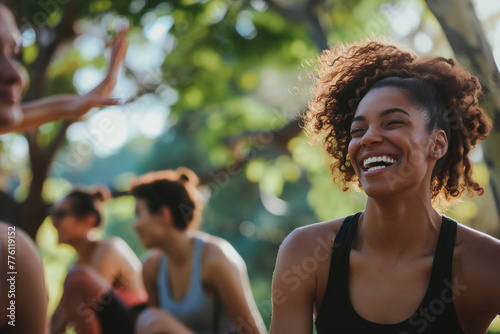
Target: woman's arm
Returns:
[[114, 259], [149, 272], [58, 321], [476, 279], [38, 112], [24, 297], [293, 293], [227, 273]]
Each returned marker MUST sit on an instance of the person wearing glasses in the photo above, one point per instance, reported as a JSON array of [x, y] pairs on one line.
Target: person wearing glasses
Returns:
[[108, 264]]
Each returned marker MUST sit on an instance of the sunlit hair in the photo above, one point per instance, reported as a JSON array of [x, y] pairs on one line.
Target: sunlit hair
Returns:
[[443, 90], [88, 201], [175, 189]]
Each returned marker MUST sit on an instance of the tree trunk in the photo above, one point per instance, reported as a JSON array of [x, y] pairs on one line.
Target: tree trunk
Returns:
[[468, 41], [34, 209]]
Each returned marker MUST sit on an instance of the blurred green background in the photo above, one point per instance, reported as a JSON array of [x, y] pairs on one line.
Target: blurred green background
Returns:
[[218, 87]]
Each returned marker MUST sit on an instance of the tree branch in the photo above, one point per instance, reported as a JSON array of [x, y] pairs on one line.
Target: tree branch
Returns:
[[468, 41]]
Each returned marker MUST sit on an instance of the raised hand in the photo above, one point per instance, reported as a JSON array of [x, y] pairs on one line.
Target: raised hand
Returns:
[[100, 95], [38, 112]]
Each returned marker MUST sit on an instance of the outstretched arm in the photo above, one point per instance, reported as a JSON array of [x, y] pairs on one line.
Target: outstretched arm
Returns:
[[45, 110]]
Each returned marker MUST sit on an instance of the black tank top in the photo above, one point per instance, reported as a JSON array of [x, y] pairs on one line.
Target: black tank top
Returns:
[[435, 315]]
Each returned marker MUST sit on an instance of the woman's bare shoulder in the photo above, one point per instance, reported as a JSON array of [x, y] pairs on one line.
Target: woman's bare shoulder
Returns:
[[477, 250], [151, 257], [477, 269], [218, 251], [476, 245], [309, 235]]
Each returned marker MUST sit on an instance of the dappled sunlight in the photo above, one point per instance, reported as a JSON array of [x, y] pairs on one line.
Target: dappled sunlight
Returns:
[[423, 43], [407, 18], [19, 146], [156, 32], [86, 78], [111, 130], [218, 87], [90, 46], [274, 204], [486, 8]]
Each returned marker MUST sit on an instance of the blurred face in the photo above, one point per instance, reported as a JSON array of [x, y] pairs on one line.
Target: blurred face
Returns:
[[70, 228], [149, 226], [12, 76], [390, 147]]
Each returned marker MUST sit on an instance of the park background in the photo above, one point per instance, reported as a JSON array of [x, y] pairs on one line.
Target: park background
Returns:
[[219, 87]]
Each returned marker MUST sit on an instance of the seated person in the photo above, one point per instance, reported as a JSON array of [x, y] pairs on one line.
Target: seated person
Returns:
[[196, 282], [110, 261]]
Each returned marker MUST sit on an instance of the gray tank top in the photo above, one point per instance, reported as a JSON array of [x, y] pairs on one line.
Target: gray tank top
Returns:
[[197, 309]]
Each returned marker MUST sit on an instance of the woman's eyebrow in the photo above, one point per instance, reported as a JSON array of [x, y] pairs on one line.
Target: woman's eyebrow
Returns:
[[393, 110], [382, 114]]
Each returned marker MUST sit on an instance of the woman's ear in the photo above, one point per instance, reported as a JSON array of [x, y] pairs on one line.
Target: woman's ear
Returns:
[[440, 144], [90, 220], [166, 214]]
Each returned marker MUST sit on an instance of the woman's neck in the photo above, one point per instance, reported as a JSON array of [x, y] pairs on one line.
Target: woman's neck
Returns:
[[399, 226], [179, 246], [83, 248]]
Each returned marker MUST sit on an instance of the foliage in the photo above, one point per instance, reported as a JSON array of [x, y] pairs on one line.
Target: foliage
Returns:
[[207, 84]]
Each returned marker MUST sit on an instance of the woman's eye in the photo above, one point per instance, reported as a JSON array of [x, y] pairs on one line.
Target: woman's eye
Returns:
[[356, 132], [394, 122]]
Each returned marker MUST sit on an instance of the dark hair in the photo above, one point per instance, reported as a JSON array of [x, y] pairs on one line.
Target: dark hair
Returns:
[[175, 189], [84, 202], [444, 89]]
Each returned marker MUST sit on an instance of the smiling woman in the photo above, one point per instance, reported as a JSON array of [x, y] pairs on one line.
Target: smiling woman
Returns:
[[14, 80], [401, 127], [23, 296]]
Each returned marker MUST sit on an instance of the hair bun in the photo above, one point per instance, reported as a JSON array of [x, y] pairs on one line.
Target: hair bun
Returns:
[[187, 175], [99, 193]]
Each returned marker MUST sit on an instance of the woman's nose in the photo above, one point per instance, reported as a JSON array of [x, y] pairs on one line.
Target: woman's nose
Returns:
[[371, 136], [10, 72]]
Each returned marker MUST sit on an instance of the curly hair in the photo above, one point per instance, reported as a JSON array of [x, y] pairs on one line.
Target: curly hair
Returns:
[[347, 73], [175, 189]]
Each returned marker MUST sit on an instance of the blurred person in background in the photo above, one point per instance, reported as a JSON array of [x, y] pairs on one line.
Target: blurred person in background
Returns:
[[76, 218], [197, 283]]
